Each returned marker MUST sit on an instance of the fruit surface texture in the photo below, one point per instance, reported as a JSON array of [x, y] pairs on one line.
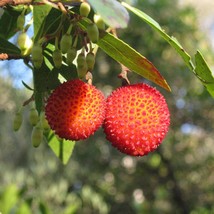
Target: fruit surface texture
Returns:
[[137, 119], [75, 110]]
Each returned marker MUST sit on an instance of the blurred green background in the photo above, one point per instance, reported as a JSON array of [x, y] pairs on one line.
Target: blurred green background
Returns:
[[177, 178]]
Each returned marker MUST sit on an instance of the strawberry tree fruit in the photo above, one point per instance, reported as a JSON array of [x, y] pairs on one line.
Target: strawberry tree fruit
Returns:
[[33, 116], [25, 43], [36, 135], [93, 32], [65, 43], [75, 110], [57, 58], [85, 9], [90, 60], [137, 119], [37, 56], [71, 55], [17, 122]]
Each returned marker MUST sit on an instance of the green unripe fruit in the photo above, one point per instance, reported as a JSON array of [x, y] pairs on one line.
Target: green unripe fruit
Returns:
[[81, 60], [33, 116], [71, 55], [36, 136], [90, 60], [20, 22], [37, 56], [44, 123], [65, 43], [17, 122], [93, 32], [82, 67], [85, 9], [25, 43], [99, 22], [57, 58], [82, 70]]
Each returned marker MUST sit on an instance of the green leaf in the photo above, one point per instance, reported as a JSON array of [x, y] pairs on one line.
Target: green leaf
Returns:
[[112, 12], [27, 86], [38, 96], [202, 70], [204, 73], [8, 20], [8, 48], [126, 55], [63, 149], [171, 40], [23, 208], [39, 15], [68, 72], [9, 198]]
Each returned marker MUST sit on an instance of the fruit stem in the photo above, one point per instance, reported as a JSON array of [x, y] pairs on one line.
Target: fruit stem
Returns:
[[69, 29], [57, 43], [75, 41]]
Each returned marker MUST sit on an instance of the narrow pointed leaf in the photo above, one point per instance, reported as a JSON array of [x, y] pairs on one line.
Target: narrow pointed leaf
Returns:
[[202, 70], [126, 55], [204, 73], [171, 40], [39, 15]]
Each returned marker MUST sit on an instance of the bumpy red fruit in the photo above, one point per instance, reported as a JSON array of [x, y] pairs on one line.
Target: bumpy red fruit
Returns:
[[137, 119], [75, 110]]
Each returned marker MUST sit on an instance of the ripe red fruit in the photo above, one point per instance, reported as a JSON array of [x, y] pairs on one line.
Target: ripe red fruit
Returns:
[[137, 119], [75, 110]]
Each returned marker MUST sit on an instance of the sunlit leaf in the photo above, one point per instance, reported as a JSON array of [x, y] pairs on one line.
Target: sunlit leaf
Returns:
[[9, 198], [39, 15], [202, 70], [126, 55], [204, 73], [171, 40], [62, 148], [112, 12]]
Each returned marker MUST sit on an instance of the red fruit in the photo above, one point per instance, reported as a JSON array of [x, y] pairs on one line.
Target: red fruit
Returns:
[[75, 110], [137, 119]]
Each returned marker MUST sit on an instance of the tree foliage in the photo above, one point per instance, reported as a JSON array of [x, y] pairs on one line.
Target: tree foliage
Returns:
[[98, 179]]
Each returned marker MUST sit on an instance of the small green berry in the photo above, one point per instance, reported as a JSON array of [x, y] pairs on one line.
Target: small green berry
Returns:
[[37, 56], [36, 136], [25, 43], [71, 55], [21, 22], [93, 32], [99, 22], [65, 43], [85, 9], [17, 122], [44, 123], [90, 60], [33, 116], [81, 60], [57, 58]]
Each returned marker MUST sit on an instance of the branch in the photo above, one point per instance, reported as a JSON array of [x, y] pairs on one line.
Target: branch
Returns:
[[5, 2], [4, 56], [14, 2]]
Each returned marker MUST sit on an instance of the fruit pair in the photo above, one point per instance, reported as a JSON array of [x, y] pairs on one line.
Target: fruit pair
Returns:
[[135, 118]]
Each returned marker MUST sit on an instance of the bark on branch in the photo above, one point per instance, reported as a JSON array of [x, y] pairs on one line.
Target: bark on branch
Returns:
[[4, 56]]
